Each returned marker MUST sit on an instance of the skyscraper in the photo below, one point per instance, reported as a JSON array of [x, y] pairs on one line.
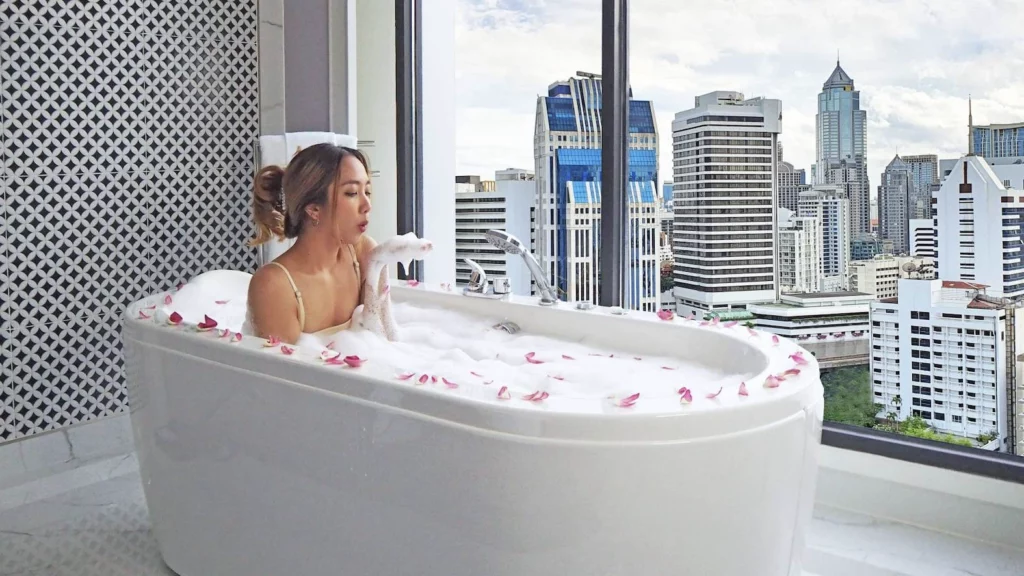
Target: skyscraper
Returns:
[[830, 205], [724, 155], [567, 152], [894, 195], [924, 171], [842, 146], [792, 182]]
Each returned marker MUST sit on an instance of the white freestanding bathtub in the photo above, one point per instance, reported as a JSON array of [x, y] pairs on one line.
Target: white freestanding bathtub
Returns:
[[257, 463]]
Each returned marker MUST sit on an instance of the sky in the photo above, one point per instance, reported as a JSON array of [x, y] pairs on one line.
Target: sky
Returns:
[[913, 61]]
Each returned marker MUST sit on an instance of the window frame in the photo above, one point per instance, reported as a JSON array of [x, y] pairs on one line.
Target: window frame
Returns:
[[614, 158]]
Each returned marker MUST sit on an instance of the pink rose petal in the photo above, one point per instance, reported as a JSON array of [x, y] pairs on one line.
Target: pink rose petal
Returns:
[[224, 333], [433, 379], [536, 396], [406, 376], [221, 302], [236, 338], [423, 379], [628, 401], [743, 389], [715, 321], [532, 360], [666, 314], [752, 332], [174, 319], [685, 396], [272, 342], [772, 381], [151, 307], [477, 375], [449, 383], [168, 300], [637, 358], [330, 345], [287, 350], [730, 324], [775, 339], [798, 357], [412, 283], [667, 368], [354, 361], [705, 323], [714, 394], [180, 286], [791, 372], [558, 377], [143, 315], [488, 382], [567, 357], [503, 393], [328, 355]]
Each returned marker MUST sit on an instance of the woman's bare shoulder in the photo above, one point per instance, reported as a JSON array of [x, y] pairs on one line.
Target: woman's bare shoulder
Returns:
[[272, 303]]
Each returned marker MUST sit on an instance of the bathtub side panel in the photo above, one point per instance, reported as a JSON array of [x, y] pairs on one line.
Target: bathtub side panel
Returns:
[[246, 474]]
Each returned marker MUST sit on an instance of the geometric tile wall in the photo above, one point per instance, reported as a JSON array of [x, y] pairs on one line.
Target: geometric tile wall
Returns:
[[125, 168]]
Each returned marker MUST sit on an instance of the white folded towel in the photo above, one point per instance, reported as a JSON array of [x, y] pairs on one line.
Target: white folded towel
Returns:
[[278, 149]]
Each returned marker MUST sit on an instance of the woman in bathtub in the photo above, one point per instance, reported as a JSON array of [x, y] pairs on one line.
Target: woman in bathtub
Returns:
[[322, 199]]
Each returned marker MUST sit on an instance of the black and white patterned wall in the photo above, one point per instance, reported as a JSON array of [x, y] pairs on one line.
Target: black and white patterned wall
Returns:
[[128, 128]]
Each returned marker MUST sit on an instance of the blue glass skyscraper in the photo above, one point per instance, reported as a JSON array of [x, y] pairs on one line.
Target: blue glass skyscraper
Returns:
[[842, 146], [567, 230]]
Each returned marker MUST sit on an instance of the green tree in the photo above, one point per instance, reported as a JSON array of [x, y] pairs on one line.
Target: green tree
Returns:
[[848, 396]]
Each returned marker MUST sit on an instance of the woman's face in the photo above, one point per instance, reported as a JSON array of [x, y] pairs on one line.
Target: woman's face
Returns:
[[351, 202]]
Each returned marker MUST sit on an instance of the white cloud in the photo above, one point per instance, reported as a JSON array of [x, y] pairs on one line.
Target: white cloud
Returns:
[[914, 61]]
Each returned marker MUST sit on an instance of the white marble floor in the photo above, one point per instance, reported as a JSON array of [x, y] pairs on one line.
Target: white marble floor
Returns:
[[88, 517]]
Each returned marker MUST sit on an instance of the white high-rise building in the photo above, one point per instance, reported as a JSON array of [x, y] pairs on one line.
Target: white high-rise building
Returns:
[[922, 238], [725, 193], [979, 211], [942, 349], [502, 204], [830, 204], [799, 253]]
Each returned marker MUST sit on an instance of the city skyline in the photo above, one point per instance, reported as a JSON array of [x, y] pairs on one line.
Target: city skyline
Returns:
[[916, 104]]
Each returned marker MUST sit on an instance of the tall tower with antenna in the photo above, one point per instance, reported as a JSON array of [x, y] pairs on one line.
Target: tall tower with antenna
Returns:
[[970, 127]]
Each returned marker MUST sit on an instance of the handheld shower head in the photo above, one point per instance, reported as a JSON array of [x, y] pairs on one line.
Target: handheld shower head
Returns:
[[505, 241]]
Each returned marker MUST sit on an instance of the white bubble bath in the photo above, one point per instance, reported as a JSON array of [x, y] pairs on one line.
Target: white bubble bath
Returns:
[[550, 450]]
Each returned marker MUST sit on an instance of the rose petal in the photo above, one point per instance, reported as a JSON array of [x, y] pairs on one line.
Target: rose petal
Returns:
[[775, 339], [143, 315], [730, 324], [423, 379], [705, 323], [536, 396], [477, 375], [174, 319], [221, 302], [433, 379], [667, 368], [771, 381], [714, 394], [637, 358], [180, 286], [354, 361], [488, 382], [271, 342], [791, 372], [798, 357], [207, 324], [150, 307], [330, 345], [449, 383], [503, 393], [168, 300], [629, 401], [715, 320], [685, 396], [532, 360], [752, 332], [412, 283], [224, 333], [558, 377], [666, 314], [287, 350], [328, 355], [743, 389], [406, 376], [567, 357], [236, 338]]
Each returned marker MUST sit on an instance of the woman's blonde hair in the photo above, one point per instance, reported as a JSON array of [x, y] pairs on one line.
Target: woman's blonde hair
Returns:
[[281, 195]]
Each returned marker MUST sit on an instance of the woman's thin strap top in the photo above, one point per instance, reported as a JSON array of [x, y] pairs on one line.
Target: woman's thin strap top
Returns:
[[298, 295]]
